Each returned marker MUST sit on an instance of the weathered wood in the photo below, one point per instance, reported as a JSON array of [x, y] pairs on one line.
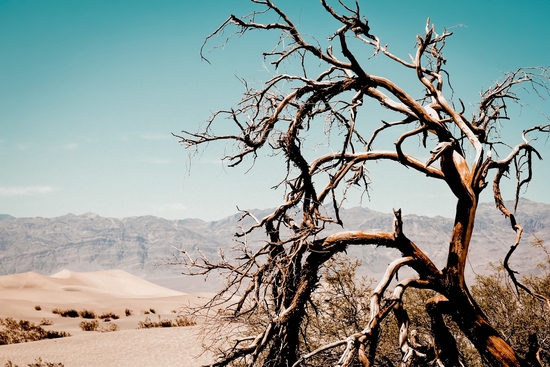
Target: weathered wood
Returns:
[[275, 281]]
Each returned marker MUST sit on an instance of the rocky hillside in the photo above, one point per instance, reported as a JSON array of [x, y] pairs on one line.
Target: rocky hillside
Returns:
[[141, 245]]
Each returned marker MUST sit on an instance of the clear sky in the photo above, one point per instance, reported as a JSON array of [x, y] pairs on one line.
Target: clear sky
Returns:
[[91, 90]]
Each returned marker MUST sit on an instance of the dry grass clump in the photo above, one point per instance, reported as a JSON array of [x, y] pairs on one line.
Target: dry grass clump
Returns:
[[107, 316], [94, 326], [37, 307], [87, 314], [128, 312], [184, 321], [65, 313], [37, 363], [46, 322], [178, 322], [89, 325], [109, 328], [13, 332]]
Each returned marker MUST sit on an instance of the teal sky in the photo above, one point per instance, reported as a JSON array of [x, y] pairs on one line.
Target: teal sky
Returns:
[[91, 90]]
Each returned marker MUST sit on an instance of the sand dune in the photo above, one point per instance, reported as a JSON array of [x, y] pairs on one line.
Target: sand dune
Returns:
[[117, 282], [103, 291]]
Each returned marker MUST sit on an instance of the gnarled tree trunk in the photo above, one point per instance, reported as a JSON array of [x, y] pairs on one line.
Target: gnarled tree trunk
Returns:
[[276, 279]]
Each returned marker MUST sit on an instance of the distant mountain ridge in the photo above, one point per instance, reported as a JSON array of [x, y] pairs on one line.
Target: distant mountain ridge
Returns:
[[138, 245]]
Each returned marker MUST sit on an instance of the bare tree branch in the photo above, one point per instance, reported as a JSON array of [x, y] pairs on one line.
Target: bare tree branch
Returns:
[[270, 283]]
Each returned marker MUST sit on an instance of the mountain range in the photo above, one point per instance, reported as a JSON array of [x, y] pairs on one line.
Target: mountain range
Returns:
[[144, 245]]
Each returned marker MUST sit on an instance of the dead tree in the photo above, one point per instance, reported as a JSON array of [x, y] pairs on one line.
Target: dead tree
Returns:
[[276, 279]]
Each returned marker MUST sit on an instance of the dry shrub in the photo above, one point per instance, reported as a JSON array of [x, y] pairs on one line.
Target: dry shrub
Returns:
[[109, 315], [184, 321], [178, 322], [94, 326], [37, 308], [109, 328], [65, 313], [37, 363], [128, 312], [87, 314], [46, 322], [13, 332], [89, 325]]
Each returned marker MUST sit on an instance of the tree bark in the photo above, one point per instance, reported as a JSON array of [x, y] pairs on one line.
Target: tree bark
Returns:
[[465, 312], [281, 117], [493, 349]]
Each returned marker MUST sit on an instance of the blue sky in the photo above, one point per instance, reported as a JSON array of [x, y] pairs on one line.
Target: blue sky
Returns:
[[91, 90]]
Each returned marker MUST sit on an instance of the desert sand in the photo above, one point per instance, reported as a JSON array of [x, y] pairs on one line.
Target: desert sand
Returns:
[[103, 292]]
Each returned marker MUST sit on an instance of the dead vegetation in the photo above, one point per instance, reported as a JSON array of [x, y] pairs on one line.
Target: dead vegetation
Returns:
[[317, 119], [93, 325], [21, 331], [37, 363], [180, 321]]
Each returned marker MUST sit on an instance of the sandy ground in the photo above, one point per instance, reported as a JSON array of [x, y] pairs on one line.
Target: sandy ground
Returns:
[[149, 347], [106, 291]]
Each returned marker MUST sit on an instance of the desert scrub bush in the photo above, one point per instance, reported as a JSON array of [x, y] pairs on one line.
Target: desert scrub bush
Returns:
[[37, 308], [40, 363], [37, 363], [148, 324], [94, 326], [65, 313], [145, 312], [13, 332], [128, 312], [46, 322], [184, 321], [109, 328], [109, 315], [152, 310], [178, 322], [165, 323], [89, 325], [87, 314], [52, 334]]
